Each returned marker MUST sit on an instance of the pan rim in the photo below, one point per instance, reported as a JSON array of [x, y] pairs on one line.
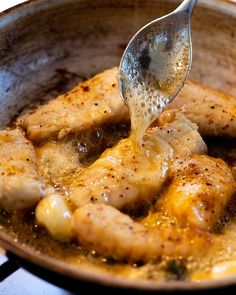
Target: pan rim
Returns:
[[222, 6], [109, 280]]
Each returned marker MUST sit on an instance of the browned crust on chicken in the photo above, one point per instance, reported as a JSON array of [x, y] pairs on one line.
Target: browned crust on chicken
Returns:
[[214, 112], [91, 104], [20, 185], [113, 234], [201, 188]]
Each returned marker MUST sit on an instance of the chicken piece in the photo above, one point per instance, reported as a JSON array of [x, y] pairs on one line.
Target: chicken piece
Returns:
[[129, 174], [20, 185], [57, 159], [124, 175], [113, 234], [214, 112], [199, 192], [182, 135], [91, 104]]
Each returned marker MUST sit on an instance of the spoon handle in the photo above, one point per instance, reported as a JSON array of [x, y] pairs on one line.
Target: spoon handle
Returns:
[[187, 6]]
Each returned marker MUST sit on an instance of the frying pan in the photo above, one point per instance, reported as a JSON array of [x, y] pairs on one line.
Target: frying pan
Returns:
[[48, 46]]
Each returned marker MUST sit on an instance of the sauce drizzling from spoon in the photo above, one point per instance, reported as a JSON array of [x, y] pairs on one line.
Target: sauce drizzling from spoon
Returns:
[[154, 67], [147, 99]]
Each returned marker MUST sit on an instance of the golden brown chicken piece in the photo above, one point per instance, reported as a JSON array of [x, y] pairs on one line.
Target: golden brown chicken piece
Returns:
[[128, 174], [20, 185], [92, 103], [182, 135], [113, 234], [214, 112], [125, 174], [199, 192]]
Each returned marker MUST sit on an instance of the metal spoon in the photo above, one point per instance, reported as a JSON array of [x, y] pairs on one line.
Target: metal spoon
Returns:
[[155, 66]]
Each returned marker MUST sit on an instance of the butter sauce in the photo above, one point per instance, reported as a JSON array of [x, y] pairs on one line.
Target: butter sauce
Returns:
[[149, 87]]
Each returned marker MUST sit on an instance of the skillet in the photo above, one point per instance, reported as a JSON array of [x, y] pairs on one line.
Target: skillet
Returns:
[[46, 47]]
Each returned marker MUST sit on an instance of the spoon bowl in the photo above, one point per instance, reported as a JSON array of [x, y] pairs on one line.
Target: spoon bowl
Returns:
[[155, 65]]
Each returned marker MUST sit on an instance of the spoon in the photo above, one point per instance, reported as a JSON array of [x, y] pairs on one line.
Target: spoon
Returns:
[[155, 65]]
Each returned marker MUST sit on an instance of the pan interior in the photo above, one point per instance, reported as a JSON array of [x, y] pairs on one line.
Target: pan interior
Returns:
[[76, 40]]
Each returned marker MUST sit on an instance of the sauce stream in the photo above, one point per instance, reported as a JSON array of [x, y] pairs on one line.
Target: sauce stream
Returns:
[[147, 92]]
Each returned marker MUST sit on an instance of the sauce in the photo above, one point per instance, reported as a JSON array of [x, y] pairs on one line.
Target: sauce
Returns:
[[148, 91]]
